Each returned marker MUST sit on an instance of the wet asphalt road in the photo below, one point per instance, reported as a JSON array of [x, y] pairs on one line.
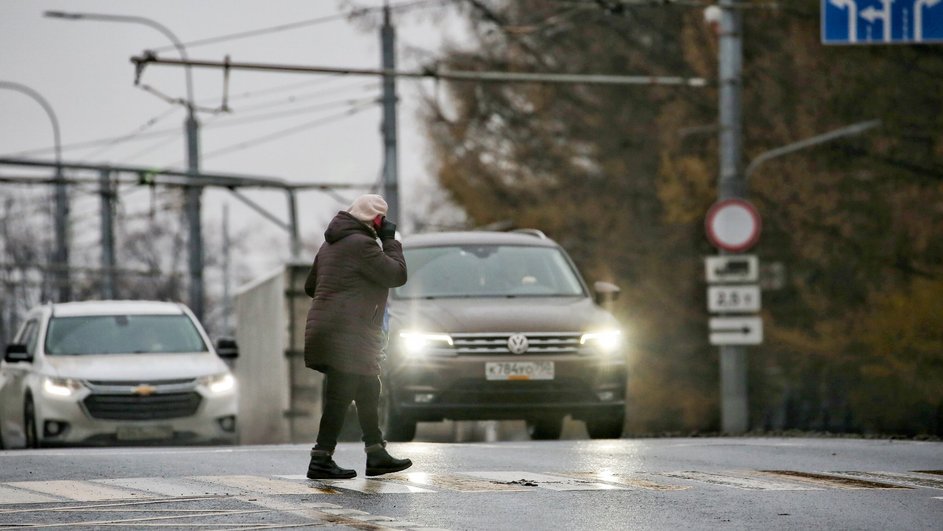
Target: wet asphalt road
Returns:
[[699, 483]]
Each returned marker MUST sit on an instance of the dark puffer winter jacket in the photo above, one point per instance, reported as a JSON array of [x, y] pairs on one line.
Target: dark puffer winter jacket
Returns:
[[350, 281]]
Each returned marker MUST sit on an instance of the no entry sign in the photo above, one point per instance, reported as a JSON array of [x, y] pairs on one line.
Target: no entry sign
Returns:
[[733, 225]]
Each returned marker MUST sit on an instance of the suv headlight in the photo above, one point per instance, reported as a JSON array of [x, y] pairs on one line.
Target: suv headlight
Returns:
[[219, 383], [606, 341], [61, 387], [415, 343]]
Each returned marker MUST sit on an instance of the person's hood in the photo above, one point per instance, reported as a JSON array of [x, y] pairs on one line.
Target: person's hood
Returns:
[[343, 225], [136, 367], [493, 314]]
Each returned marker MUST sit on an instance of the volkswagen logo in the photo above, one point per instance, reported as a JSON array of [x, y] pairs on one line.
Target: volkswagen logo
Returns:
[[517, 344]]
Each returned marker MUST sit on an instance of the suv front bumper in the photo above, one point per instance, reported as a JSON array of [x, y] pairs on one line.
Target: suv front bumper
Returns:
[[436, 388]]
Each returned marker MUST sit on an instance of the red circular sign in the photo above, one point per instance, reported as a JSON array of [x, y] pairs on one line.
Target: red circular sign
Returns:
[[733, 225]]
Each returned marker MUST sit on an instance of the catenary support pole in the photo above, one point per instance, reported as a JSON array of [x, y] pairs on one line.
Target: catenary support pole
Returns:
[[108, 285], [734, 412]]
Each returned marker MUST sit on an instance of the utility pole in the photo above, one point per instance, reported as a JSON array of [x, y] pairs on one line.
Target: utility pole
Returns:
[[731, 185], [390, 155], [227, 300], [193, 209], [108, 287]]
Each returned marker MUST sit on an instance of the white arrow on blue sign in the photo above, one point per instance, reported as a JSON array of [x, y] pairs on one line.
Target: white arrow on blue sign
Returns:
[[882, 21]]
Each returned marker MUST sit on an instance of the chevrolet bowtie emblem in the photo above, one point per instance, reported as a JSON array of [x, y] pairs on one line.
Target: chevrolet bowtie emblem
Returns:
[[144, 390]]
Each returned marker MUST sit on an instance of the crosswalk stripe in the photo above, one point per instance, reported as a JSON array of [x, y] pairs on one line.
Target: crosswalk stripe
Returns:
[[830, 481], [455, 482], [365, 485], [543, 481], [9, 495], [77, 490], [263, 485], [634, 481], [172, 487], [737, 481], [905, 479]]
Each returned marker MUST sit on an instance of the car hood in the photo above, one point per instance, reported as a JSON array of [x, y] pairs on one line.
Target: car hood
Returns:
[[136, 367], [520, 314]]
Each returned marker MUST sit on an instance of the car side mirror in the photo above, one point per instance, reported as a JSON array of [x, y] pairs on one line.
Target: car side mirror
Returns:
[[606, 292], [227, 348], [16, 352]]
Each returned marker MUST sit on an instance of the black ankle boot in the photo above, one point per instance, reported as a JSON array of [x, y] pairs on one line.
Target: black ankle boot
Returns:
[[380, 462], [322, 466]]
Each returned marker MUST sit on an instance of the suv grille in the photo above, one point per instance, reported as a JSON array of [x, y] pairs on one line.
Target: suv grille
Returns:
[[151, 407], [538, 343]]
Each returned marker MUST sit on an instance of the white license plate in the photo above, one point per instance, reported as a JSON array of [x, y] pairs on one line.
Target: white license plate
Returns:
[[145, 433], [519, 370]]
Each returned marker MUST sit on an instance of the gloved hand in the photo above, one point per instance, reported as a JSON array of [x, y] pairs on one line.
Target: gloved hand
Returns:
[[387, 230]]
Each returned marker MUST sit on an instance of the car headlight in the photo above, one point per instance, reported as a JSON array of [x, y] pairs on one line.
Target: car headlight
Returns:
[[61, 387], [607, 341], [219, 383], [415, 343]]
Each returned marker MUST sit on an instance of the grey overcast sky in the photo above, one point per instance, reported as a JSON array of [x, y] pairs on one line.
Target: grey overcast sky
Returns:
[[82, 68]]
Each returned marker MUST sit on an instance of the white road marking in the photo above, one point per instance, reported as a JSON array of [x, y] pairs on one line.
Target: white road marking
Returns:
[[372, 486], [543, 481], [174, 487], [10, 495], [727, 479], [454, 482], [895, 477], [78, 490], [632, 481], [263, 485], [828, 481]]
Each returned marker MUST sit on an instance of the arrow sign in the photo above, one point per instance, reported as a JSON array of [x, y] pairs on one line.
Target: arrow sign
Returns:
[[736, 330], [882, 21]]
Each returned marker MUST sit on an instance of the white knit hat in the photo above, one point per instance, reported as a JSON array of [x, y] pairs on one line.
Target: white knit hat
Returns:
[[367, 207]]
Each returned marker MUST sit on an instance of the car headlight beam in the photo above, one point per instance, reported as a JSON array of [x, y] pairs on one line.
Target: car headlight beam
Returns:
[[220, 383], [607, 341], [415, 343], [60, 387]]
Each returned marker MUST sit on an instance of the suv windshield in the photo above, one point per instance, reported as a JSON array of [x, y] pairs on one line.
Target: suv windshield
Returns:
[[488, 271], [122, 334]]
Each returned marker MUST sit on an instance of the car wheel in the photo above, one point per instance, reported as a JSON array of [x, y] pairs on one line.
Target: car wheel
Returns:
[[545, 429], [396, 427], [29, 423], [605, 428]]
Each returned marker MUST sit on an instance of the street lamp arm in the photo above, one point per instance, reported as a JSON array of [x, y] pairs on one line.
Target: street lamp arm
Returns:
[[850, 130], [134, 20], [46, 107]]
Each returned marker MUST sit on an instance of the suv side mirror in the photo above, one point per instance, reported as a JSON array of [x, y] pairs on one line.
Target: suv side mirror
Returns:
[[17, 352], [227, 348], [606, 292]]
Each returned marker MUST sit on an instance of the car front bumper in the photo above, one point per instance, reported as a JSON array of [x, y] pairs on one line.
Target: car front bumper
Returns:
[[436, 388], [65, 421]]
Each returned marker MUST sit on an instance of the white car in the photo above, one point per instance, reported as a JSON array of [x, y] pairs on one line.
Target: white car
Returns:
[[113, 372]]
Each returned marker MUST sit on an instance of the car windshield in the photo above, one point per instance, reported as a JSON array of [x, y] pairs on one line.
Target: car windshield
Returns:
[[488, 271], [122, 334]]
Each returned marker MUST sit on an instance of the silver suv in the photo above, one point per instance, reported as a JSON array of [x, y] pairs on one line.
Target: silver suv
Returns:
[[109, 372], [495, 325]]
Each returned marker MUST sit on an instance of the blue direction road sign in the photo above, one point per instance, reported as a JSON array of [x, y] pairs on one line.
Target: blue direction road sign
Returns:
[[882, 21]]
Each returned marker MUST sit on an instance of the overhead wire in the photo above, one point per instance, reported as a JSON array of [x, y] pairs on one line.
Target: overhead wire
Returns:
[[293, 25]]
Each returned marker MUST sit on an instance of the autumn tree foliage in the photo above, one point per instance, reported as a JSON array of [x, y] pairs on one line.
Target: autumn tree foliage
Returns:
[[623, 175]]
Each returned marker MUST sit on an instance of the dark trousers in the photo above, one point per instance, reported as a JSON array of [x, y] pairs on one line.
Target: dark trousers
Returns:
[[340, 388]]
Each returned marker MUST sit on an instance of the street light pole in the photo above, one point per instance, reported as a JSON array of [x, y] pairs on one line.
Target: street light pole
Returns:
[[191, 128], [63, 284]]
